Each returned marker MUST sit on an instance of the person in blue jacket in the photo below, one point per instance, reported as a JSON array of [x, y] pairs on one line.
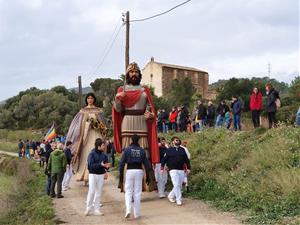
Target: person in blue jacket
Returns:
[[135, 158], [236, 111], [97, 166]]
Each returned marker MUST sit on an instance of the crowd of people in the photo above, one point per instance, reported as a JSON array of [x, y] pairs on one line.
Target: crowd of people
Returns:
[[226, 114], [57, 163]]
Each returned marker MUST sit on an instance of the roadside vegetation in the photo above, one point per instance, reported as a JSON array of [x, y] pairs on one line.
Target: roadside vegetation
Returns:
[[255, 173], [22, 196], [9, 138]]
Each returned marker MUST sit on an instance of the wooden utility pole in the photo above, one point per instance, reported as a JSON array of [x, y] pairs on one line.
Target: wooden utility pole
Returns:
[[80, 91], [127, 41]]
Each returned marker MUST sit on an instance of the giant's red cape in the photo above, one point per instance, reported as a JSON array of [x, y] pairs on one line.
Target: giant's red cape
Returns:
[[131, 97]]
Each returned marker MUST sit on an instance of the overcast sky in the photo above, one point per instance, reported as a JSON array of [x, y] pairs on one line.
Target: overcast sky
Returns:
[[44, 43]]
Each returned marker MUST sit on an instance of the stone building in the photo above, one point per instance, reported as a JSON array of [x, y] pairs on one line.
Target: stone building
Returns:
[[160, 76]]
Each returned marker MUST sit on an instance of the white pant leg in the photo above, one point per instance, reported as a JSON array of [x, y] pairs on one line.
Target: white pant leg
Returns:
[[98, 190], [91, 192], [138, 181], [129, 181], [161, 179], [185, 179], [157, 171], [67, 177], [177, 177]]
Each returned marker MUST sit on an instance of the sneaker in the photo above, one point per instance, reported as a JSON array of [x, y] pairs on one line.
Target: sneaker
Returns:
[[179, 203], [98, 213], [162, 196], [127, 215], [59, 196], [171, 200], [87, 212]]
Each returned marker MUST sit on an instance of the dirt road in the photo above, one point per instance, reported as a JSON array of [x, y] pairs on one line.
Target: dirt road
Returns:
[[154, 210]]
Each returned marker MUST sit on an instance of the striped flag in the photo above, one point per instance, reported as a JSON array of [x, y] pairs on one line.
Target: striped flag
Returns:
[[51, 134]]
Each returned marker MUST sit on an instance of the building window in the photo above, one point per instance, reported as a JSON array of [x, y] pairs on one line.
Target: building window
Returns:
[[151, 77]]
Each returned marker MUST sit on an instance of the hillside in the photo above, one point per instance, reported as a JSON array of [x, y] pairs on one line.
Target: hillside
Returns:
[[257, 172]]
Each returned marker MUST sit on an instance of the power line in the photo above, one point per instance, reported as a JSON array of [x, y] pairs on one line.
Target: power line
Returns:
[[107, 49], [160, 14]]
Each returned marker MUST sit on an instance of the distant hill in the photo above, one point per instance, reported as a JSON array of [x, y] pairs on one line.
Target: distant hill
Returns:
[[85, 90]]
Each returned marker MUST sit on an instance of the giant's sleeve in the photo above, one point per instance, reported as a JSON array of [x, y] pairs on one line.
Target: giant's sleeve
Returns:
[[73, 134]]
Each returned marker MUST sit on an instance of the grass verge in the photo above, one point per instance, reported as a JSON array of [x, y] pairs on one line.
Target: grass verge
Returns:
[[256, 173], [28, 202]]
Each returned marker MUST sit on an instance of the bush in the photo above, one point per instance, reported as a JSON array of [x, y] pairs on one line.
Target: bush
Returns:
[[29, 204]]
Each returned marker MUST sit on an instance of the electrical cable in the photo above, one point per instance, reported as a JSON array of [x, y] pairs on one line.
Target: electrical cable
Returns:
[[160, 14], [107, 49]]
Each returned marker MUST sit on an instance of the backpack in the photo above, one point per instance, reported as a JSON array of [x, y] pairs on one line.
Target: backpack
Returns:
[[278, 103]]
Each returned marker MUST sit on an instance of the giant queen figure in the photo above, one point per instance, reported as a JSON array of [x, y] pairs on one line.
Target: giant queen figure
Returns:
[[134, 113]]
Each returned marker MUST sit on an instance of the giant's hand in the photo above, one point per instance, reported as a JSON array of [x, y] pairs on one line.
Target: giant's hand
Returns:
[[120, 95], [148, 115]]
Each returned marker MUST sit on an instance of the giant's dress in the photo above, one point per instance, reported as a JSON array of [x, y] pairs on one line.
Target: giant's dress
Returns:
[[129, 119], [134, 121], [83, 132]]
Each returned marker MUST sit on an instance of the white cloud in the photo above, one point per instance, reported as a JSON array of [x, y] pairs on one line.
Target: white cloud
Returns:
[[52, 42]]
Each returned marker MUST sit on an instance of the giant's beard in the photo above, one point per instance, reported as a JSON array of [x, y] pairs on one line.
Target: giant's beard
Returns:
[[134, 80]]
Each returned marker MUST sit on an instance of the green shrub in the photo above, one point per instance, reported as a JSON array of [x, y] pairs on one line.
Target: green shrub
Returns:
[[29, 205]]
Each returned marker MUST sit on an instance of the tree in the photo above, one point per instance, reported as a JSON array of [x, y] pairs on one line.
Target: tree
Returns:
[[105, 90], [181, 92], [242, 87], [37, 109], [294, 90]]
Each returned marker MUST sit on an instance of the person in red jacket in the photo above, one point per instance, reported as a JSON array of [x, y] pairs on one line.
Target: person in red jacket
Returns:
[[255, 106], [173, 118]]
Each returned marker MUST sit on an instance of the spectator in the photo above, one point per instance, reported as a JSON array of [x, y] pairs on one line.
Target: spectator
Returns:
[[183, 117], [255, 106], [173, 118], [202, 113], [228, 119], [20, 147], [272, 96], [211, 113], [194, 119], [165, 122], [221, 111], [69, 171], [47, 172], [298, 118], [161, 178], [57, 167], [236, 111]]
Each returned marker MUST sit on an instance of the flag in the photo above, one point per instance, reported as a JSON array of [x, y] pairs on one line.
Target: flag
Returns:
[[51, 134]]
